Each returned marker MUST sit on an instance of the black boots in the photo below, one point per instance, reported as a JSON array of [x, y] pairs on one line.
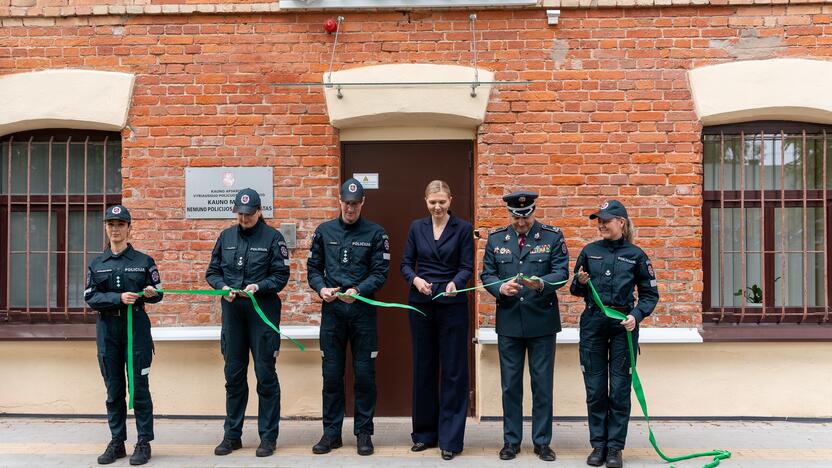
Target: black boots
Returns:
[[227, 446], [597, 457], [615, 459], [141, 453], [326, 444], [115, 450], [365, 444], [266, 448]]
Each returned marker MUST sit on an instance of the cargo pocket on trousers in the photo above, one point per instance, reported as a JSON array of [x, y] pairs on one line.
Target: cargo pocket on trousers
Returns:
[[586, 361], [222, 344], [102, 365]]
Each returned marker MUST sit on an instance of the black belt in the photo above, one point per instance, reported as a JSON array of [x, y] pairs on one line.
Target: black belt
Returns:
[[111, 313]]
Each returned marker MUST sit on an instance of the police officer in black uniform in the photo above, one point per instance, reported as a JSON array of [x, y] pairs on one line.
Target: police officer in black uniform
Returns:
[[349, 255], [527, 317], [252, 257], [113, 279], [616, 268]]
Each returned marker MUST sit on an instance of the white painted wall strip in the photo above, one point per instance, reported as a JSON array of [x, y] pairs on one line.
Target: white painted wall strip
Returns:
[[646, 335]]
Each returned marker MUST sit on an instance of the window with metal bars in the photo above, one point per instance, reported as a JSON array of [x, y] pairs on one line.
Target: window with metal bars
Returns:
[[54, 188], [766, 223]]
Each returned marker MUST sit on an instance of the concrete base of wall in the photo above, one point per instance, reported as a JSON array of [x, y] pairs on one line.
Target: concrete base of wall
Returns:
[[706, 380], [698, 380]]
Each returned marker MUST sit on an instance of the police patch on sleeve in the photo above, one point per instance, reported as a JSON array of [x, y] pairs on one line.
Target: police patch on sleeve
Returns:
[[563, 247], [386, 243], [284, 251], [154, 275], [89, 279]]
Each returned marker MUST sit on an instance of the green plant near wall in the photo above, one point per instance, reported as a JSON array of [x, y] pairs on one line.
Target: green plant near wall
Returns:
[[753, 293]]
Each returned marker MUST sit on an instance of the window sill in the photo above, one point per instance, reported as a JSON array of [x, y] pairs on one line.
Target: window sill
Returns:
[[766, 332], [48, 331]]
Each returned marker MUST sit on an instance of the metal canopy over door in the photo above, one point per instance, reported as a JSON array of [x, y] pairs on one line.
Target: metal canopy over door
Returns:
[[404, 168]]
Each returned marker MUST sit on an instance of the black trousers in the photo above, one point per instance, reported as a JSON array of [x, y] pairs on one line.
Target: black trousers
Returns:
[[111, 341], [605, 362], [541, 351], [343, 323], [243, 331], [440, 374]]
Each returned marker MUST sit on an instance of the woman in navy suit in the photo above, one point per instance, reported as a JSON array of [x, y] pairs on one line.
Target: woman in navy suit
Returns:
[[439, 257]]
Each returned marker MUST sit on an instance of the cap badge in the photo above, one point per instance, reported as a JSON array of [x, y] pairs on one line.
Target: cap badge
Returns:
[[244, 199], [605, 205], [522, 199], [352, 188], [116, 209]]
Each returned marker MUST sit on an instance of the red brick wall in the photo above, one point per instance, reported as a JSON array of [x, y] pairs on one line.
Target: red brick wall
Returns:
[[609, 115]]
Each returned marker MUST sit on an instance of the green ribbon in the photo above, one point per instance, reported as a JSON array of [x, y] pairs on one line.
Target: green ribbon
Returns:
[[380, 303], [483, 286], [718, 455], [198, 292]]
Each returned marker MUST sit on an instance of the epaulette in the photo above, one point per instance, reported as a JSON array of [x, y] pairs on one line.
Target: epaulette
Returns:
[[496, 230], [549, 228]]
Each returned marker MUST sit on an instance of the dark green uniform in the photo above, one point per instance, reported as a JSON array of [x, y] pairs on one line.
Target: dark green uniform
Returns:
[[108, 276], [242, 257], [527, 322], [348, 256], [616, 269]]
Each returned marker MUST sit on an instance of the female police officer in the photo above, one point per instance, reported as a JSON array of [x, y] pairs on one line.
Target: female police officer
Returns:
[[252, 257], [616, 268], [113, 279]]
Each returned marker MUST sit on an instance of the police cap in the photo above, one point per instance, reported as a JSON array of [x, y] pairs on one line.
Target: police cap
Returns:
[[609, 210], [247, 201], [520, 204], [117, 212], [352, 190]]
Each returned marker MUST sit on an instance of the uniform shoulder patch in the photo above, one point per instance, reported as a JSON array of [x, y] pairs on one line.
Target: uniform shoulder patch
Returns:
[[497, 230], [549, 228]]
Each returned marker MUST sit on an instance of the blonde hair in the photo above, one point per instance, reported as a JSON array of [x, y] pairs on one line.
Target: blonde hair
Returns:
[[628, 231], [436, 186]]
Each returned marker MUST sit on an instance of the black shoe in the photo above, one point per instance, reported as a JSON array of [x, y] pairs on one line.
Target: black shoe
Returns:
[[141, 454], [544, 452], [509, 451], [266, 448], [448, 455], [365, 444], [421, 447], [227, 446], [326, 444], [615, 459], [597, 457], [115, 450]]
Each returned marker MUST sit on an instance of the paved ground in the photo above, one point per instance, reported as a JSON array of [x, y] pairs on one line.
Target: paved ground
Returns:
[[35, 442]]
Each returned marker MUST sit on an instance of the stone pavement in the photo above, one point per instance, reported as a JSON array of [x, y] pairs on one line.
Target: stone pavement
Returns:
[[35, 442]]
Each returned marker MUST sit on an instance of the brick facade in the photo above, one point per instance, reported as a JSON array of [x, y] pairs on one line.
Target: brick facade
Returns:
[[609, 115]]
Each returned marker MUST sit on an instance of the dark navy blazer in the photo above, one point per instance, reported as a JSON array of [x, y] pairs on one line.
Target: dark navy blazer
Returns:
[[451, 258]]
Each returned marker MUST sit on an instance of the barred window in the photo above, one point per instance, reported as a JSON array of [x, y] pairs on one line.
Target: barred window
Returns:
[[766, 223], [54, 188]]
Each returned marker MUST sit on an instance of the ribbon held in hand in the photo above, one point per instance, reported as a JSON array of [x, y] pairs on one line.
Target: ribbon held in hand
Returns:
[[199, 292], [718, 455]]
